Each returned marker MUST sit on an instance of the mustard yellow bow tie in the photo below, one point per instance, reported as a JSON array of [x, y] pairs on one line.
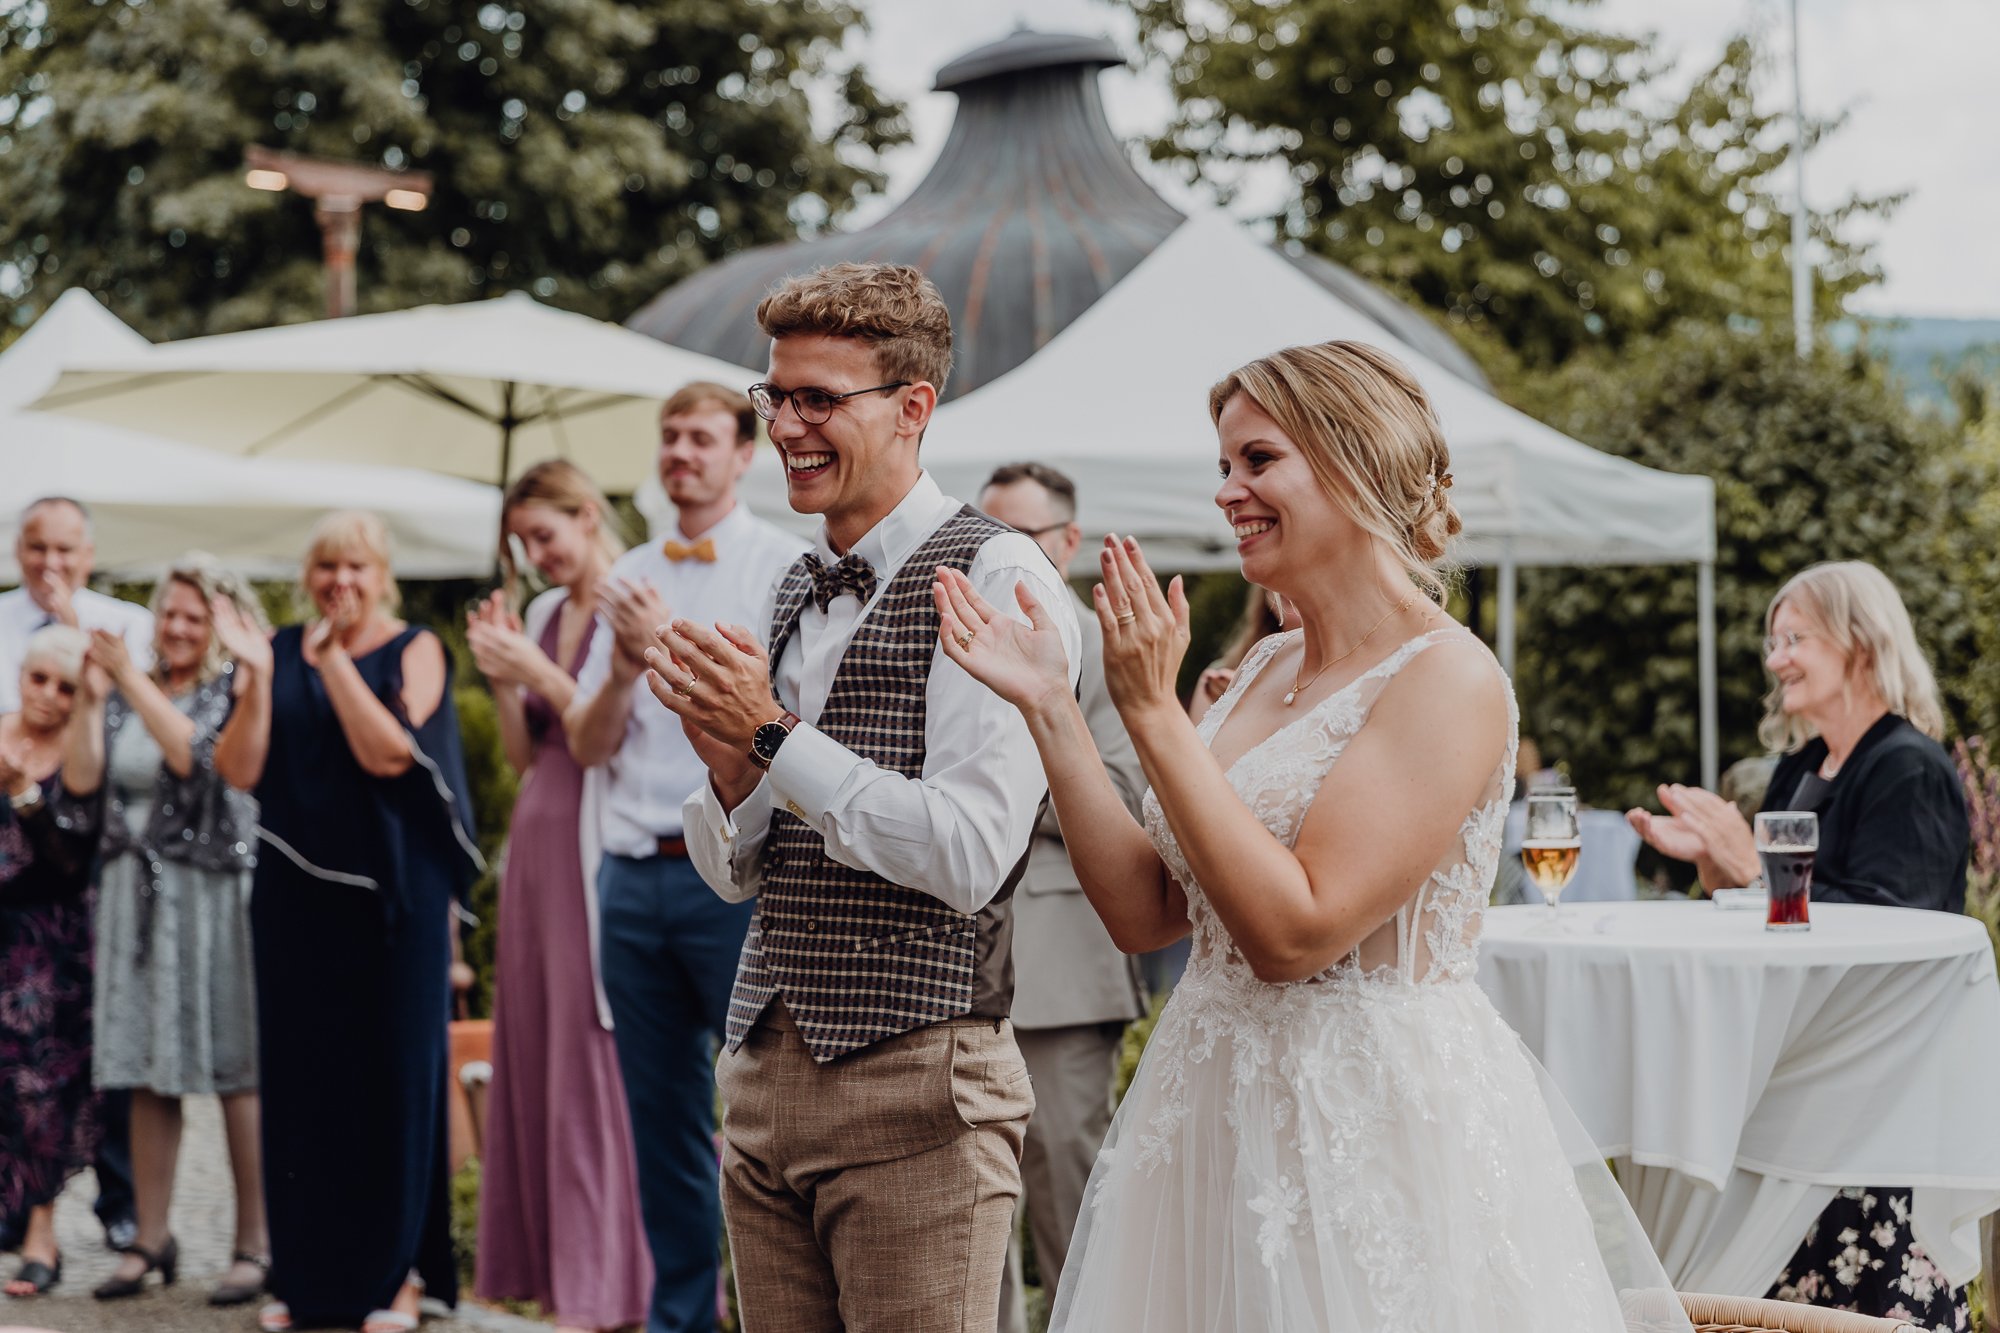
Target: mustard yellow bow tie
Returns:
[[703, 550]]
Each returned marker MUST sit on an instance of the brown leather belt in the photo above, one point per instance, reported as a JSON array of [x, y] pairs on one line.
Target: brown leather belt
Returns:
[[675, 847]]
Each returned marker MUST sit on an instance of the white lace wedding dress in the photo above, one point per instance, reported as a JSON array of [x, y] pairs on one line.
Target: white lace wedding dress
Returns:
[[1368, 1150]]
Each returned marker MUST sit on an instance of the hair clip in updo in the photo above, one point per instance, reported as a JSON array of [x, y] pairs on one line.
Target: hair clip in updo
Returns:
[[1431, 483]]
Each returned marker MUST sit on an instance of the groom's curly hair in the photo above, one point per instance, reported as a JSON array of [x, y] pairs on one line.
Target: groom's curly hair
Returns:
[[892, 306]]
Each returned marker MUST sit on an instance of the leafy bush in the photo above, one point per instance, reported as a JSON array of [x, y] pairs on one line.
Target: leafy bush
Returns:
[[1981, 774], [1813, 460]]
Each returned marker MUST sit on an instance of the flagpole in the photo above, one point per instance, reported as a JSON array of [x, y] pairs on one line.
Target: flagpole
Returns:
[[1802, 299]]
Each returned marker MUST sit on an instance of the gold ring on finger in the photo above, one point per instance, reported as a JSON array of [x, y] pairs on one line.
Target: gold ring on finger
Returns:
[[1127, 617], [965, 638]]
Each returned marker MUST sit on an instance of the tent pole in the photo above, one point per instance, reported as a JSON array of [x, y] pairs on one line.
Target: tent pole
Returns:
[[1503, 625], [1704, 596], [506, 432]]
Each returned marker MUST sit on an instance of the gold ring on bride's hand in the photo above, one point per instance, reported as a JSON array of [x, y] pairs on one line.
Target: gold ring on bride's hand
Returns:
[[964, 638], [1127, 617]]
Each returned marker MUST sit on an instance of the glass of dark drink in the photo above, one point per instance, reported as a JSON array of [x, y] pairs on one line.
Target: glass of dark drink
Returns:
[[1787, 842]]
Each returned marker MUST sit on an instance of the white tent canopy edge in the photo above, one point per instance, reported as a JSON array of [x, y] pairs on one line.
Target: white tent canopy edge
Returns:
[[1118, 400]]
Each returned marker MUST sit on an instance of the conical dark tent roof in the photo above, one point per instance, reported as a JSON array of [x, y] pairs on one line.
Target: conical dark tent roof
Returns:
[[1030, 214]]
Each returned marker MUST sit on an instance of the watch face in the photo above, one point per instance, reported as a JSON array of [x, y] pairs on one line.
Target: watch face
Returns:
[[767, 738]]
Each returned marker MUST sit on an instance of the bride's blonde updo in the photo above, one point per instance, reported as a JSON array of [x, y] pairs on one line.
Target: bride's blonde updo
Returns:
[[1372, 439]]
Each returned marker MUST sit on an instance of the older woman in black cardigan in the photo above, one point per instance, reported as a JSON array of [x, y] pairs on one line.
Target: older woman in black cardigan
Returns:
[[1855, 709]]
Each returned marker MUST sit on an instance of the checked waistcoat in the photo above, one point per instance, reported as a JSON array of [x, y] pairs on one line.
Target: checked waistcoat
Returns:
[[856, 958]]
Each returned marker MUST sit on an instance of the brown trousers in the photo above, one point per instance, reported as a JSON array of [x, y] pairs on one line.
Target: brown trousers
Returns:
[[875, 1193]]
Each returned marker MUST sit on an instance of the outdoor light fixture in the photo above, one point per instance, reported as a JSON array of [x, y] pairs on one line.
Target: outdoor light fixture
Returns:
[[338, 190]]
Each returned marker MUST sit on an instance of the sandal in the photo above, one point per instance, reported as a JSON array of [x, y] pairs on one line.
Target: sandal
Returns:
[[275, 1317], [395, 1321], [36, 1274], [241, 1293], [167, 1261], [389, 1321]]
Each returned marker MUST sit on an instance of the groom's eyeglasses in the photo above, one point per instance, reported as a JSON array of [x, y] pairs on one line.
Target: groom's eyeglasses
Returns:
[[813, 404]]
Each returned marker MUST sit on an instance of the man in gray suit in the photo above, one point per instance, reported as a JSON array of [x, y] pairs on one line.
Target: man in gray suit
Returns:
[[1073, 991]]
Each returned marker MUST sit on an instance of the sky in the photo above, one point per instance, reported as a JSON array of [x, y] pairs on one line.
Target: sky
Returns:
[[1913, 76]]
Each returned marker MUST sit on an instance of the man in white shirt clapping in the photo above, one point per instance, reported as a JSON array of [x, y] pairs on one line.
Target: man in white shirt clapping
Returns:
[[667, 947], [876, 806], [54, 549]]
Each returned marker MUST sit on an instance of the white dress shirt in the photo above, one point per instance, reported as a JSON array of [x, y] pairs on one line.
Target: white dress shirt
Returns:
[[20, 618], [955, 832], [654, 768]]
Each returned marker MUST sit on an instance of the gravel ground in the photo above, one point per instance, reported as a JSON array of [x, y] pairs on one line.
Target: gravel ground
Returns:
[[203, 1217]]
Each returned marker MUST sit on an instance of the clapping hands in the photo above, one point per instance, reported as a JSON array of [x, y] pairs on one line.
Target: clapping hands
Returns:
[[1024, 664], [344, 611], [1701, 827], [60, 600], [635, 614], [246, 642], [502, 651], [1145, 630]]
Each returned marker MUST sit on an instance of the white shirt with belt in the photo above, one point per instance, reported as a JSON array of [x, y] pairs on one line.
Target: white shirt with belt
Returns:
[[957, 830], [20, 618], [649, 777]]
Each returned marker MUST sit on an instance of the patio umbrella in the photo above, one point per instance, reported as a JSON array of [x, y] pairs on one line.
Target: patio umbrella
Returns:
[[153, 499], [480, 390]]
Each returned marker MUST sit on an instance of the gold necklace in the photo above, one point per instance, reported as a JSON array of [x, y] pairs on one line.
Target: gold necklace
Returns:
[[1298, 685]]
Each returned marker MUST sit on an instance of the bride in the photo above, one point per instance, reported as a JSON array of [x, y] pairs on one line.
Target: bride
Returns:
[[1332, 1128]]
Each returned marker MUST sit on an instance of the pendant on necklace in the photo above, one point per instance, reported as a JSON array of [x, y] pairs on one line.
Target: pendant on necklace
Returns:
[[1290, 695]]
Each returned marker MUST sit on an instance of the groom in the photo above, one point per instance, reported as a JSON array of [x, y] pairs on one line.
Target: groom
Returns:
[[878, 803]]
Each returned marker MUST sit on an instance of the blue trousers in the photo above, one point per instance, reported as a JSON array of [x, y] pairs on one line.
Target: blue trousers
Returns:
[[668, 948]]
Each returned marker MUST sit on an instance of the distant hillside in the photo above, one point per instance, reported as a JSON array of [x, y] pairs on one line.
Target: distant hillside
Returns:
[[1926, 352]]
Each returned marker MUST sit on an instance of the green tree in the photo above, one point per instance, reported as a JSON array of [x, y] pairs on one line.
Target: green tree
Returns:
[[1498, 162], [592, 151], [1815, 460]]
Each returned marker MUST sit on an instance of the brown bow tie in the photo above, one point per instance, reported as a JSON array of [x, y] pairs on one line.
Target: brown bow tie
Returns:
[[703, 550], [850, 575]]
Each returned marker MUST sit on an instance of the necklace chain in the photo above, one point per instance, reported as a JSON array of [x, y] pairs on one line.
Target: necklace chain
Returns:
[[1299, 684]]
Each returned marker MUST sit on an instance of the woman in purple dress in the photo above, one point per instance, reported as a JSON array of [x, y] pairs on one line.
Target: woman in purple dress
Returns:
[[48, 1111], [559, 1205]]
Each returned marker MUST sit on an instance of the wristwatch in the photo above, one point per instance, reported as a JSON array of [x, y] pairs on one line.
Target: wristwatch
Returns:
[[764, 741]]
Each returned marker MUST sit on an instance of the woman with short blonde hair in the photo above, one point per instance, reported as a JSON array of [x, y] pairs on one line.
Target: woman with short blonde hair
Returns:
[[1860, 613], [368, 837], [1854, 707]]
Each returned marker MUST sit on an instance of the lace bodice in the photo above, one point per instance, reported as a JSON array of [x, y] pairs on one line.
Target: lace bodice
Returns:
[[1432, 937]]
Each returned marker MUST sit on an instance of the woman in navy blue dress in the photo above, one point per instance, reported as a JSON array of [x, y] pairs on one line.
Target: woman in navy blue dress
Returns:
[[367, 840]]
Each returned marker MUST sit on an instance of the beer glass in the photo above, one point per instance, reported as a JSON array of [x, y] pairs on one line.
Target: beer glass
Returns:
[[1551, 847], [1787, 841]]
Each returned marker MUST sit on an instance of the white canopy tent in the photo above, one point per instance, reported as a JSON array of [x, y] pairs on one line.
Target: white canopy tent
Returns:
[[480, 390], [153, 499], [1118, 400]]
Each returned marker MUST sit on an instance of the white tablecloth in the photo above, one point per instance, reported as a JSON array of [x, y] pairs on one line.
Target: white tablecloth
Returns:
[[1741, 1076]]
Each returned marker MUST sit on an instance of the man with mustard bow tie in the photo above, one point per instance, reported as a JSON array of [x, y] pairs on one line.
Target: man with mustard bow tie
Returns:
[[667, 945]]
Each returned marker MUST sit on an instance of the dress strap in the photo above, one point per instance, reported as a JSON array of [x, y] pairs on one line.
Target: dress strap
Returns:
[[1254, 661]]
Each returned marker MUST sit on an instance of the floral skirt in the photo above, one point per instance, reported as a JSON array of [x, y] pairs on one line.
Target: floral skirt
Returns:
[[1859, 1255], [48, 1110]]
